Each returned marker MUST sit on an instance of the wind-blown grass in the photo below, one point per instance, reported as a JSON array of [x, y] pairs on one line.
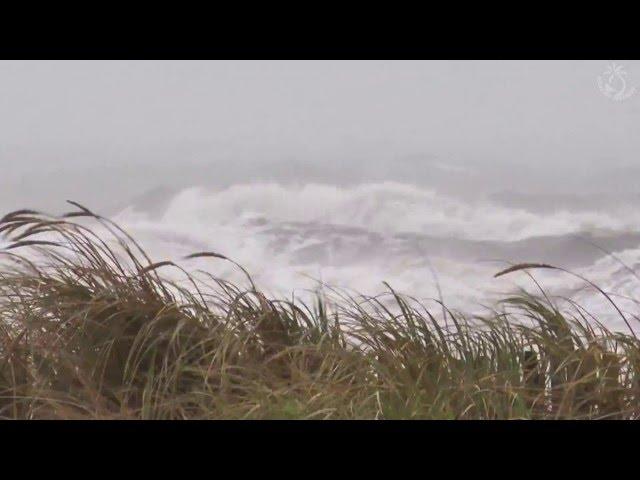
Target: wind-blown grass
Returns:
[[93, 330]]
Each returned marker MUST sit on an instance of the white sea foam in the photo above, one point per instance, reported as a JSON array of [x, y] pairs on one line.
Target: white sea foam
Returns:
[[382, 207], [289, 237]]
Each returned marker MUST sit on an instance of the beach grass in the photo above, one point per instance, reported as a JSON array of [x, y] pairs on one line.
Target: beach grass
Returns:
[[92, 328]]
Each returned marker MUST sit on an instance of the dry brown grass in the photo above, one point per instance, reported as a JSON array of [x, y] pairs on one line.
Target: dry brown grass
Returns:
[[89, 330]]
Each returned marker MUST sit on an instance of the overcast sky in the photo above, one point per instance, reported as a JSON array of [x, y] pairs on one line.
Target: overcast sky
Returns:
[[56, 114]]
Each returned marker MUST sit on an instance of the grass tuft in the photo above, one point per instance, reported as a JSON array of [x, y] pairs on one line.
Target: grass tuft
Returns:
[[92, 330]]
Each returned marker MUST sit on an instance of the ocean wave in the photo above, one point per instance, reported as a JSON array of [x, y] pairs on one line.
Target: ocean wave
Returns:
[[384, 207], [422, 242]]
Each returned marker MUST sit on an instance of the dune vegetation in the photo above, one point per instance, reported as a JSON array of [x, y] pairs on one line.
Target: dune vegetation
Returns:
[[91, 328]]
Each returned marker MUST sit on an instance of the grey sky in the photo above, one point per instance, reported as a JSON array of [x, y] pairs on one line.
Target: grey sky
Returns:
[[62, 115]]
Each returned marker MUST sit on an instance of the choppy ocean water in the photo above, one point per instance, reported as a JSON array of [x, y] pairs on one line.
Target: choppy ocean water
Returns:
[[425, 244]]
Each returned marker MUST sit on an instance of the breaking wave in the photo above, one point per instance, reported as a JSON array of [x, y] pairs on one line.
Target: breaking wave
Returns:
[[420, 241]]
